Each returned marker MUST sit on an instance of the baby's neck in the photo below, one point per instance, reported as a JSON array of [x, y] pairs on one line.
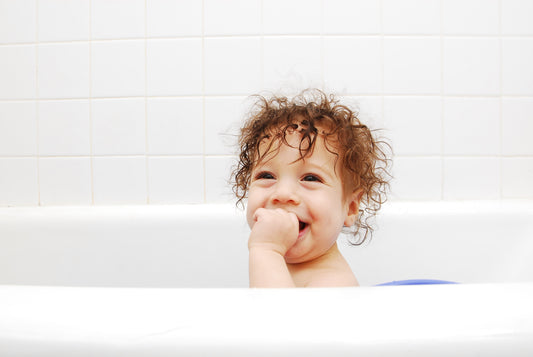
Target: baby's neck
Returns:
[[330, 269]]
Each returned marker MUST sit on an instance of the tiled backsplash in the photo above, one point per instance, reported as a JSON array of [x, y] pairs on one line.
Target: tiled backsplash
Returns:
[[139, 101]]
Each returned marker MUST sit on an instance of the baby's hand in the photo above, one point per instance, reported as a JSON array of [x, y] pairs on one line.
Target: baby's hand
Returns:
[[274, 229]]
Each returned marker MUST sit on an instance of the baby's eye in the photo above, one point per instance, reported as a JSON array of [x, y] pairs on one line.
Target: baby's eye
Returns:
[[312, 178], [264, 176]]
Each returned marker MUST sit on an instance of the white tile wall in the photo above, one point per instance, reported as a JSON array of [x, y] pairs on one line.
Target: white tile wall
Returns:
[[420, 17], [120, 180], [174, 67], [517, 72], [75, 26], [291, 63], [516, 17], [118, 68], [463, 17], [63, 70], [352, 17], [232, 65], [136, 102], [415, 124], [18, 72], [232, 17], [18, 21], [471, 178], [64, 128], [176, 180], [65, 181], [412, 65], [517, 175], [18, 129], [471, 66], [359, 70], [471, 126], [175, 126], [119, 126], [112, 19]]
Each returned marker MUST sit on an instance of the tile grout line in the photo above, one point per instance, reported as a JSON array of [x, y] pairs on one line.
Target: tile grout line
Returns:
[[322, 46], [204, 163], [91, 134], [442, 104], [147, 166], [37, 106], [500, 31]]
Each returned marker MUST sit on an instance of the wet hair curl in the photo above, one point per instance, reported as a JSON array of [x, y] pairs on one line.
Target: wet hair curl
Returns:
[[364, 158]]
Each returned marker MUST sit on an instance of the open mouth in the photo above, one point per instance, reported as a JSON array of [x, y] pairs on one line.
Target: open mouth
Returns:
[[302, 225]]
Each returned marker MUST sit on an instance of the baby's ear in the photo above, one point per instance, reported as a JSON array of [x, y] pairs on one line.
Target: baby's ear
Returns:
[[352, 202]]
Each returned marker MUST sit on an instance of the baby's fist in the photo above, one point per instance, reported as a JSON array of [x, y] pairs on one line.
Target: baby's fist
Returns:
[[274, 229]]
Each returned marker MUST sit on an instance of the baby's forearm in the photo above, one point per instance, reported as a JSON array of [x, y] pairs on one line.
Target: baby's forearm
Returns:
[[268, 269]]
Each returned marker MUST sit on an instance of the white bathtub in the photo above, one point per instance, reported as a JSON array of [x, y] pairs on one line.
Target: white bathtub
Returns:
[[107, 281]]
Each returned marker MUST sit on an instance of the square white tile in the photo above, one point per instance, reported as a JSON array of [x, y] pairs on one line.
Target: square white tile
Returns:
[[232, 66], [412, 66], [516, 17], [64, 70], [18, 128], [119, 126], [369, 110], [18, 182], [61, 20], [218, 187], [175, 126], [517, 70], [517, 126], [352, 17], [18, 72], [64, 128], [358, 70], [176, 180], [292, 17], [119, 180], [414, 124], [416, 178], [171, 18], [174, 67], [232, 17], [118, 68], [517, 175], [471, 178], [471, 66], [411, 17], [65, 181], [471, 126], [18, 21], [117, 19], [470, 17], [298, 67], [223, 118]]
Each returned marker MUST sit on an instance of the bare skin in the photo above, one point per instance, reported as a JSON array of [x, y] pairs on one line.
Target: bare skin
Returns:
[[296, 210]]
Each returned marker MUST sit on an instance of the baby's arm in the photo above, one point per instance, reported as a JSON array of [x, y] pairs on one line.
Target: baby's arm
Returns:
[[273, 233]]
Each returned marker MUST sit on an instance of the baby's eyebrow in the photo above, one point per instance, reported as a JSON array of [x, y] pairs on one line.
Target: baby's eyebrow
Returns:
[[325, 170]]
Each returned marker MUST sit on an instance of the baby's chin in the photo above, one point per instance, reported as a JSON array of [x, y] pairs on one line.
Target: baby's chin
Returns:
[[304, 253]]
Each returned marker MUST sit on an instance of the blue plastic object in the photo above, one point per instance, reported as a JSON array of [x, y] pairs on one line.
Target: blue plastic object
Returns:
[[417, 282]]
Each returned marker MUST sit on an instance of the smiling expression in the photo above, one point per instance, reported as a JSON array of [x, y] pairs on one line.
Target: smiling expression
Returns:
[[311, 188]]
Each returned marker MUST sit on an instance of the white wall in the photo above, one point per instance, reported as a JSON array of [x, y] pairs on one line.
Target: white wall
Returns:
[[126, 102]]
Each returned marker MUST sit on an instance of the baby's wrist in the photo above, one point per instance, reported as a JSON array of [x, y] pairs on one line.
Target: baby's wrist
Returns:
[[267, 247]]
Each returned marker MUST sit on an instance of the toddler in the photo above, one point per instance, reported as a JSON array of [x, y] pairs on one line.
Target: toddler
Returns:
[[308, 168]]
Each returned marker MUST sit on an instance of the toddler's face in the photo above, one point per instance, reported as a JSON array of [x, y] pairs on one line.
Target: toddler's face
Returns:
[[310, 188]]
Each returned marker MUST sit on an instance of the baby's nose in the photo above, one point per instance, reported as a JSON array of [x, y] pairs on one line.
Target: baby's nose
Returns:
[[285, 193]]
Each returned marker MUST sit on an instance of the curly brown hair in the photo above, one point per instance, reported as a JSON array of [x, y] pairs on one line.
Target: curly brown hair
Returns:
[[364, 158]]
